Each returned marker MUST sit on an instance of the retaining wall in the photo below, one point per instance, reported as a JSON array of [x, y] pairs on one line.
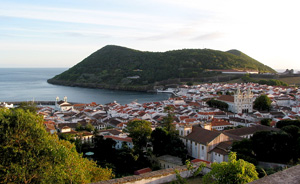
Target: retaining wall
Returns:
[[156, 177]]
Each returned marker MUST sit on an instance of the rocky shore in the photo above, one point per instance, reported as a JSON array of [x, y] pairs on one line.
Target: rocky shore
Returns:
[[145, 88]]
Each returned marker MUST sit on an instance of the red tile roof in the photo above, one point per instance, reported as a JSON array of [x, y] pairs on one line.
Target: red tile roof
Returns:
[[217, 122], [142, 171], [199, 160], [201, 135], [125, 139], [226, 98], [189, 120]]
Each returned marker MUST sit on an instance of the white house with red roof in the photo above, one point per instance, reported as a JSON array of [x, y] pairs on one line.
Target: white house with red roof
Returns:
[[220, 124], [120, 141]]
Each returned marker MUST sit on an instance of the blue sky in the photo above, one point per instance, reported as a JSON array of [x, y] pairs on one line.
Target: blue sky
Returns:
[[60, 33]]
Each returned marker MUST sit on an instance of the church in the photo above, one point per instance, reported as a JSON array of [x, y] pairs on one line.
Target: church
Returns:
[[62, 105], [240, 102]]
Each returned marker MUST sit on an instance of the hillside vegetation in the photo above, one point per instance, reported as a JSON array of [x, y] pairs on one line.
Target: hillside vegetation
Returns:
[[120, 66]]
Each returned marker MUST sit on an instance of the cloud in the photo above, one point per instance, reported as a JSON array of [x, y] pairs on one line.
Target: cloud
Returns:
[[114, 19], [209, 36], [182, 33]]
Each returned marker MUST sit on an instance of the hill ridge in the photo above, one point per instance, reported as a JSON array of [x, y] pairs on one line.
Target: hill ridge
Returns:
[[121, 67]]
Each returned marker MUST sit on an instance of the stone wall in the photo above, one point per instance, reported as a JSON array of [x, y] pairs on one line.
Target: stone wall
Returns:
[[156, 177], [290, 176]]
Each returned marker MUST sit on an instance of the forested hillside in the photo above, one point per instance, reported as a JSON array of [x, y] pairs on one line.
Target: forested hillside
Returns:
[[115, 65]]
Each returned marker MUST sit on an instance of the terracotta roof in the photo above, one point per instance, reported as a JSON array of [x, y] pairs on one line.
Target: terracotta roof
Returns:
[[220, 151], [201, 135], [79, 105], [125, 139], [65, 104], [189, 120], [236, 119], [142, 171], [232, 137], [199, 160], [226, 98], [114, 122], [111, 131], [183, 117], [220, 123], [194, 104], [250, 130]]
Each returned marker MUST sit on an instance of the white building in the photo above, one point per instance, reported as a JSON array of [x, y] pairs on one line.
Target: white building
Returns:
[[62, 105], [6, 105], [120, 140], [168, 161], [240, 102], [200, 141]]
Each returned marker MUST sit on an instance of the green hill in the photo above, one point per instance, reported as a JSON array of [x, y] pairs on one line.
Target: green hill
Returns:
[[119, 67]]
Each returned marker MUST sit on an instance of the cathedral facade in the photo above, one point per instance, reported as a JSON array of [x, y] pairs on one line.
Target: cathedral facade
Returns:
[[240, 102]]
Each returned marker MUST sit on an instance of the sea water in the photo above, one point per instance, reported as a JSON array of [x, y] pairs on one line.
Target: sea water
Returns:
[[27, 84]]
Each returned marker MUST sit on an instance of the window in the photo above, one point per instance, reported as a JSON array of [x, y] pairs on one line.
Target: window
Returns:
[[202, 147]]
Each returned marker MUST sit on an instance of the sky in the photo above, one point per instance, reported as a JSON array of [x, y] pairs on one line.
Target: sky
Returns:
[[61, 33]]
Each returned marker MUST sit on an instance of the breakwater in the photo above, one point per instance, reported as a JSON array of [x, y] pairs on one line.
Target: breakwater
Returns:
[[38, 102]]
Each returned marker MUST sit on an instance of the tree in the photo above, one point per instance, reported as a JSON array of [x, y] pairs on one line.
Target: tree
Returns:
[[294, 141], [189, 83], [194, 171], [244, 150], [139, 131], [262, 103], [89, 127], [125, 161], [218, 104], [266, 122], [165, 142], [31, 155], [79, 127], [233, 171], [283, 123], [30, 106], [104, 149], [271, 146], [167, 122], [159, 139]]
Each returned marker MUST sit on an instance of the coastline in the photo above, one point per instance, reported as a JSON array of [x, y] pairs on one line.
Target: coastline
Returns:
[[146, 88]]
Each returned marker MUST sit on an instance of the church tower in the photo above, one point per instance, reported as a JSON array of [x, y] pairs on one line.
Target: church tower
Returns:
[[243, 102]]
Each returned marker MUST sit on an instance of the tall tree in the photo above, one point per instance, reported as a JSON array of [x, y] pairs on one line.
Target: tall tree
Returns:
[[31, 155], [167, 121], [89, 127], [139, 131], [165, 142], [233, 171], [262, 103], [244, 150], [272, 146], [160, 139]]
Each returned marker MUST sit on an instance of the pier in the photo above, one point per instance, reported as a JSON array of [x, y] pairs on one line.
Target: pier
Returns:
[[38, 102]]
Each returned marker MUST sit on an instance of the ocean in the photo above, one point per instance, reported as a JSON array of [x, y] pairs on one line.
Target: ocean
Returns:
[[27, 84]]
